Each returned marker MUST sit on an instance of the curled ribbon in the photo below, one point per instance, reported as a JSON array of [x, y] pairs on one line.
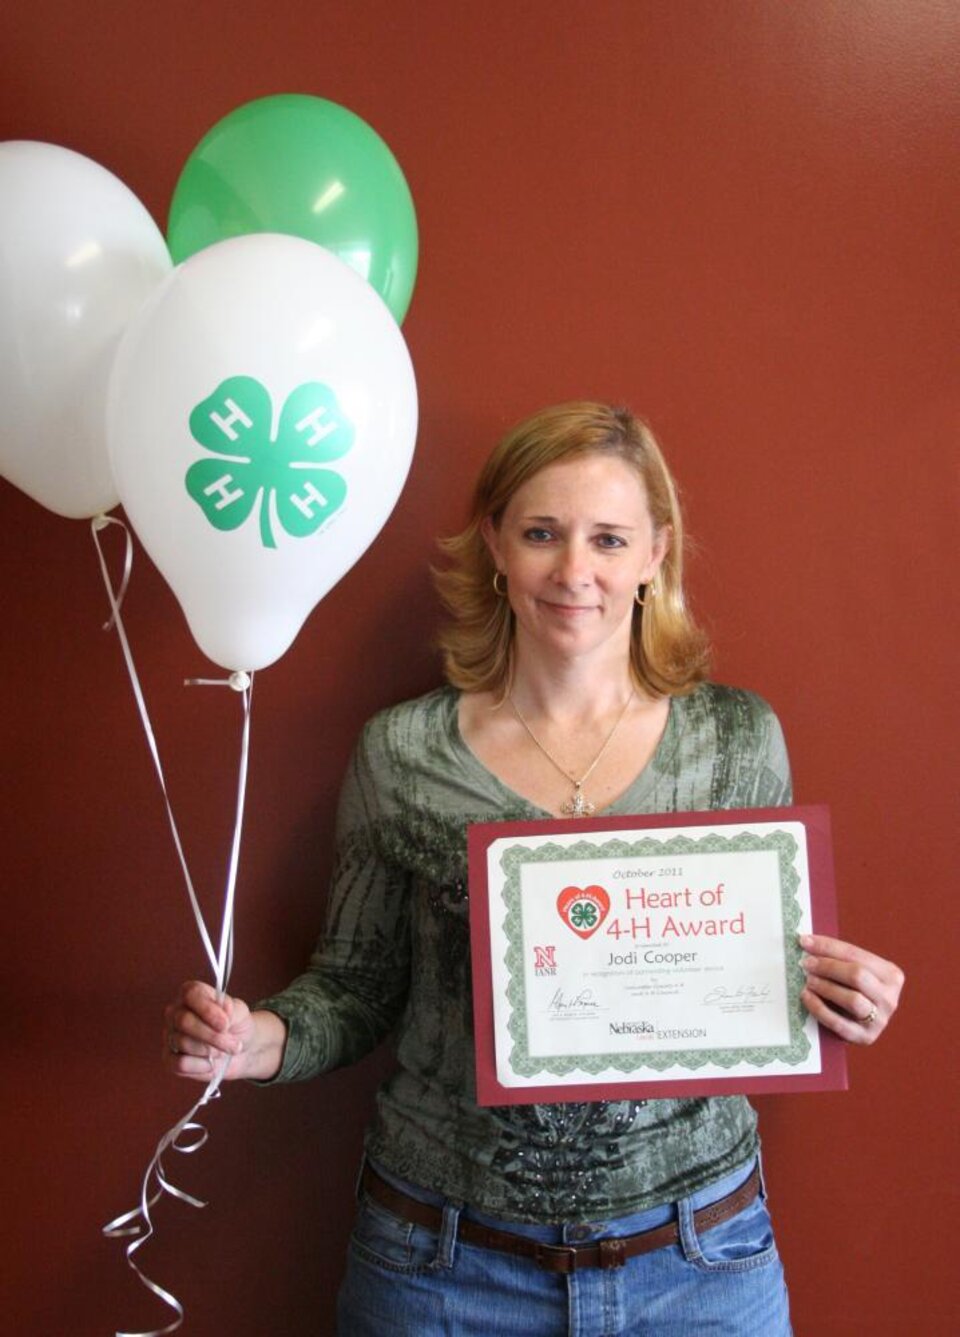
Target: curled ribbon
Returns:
[[137, 1225]]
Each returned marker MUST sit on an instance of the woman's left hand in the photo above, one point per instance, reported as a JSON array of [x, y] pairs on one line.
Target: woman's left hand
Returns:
[[850, 991]]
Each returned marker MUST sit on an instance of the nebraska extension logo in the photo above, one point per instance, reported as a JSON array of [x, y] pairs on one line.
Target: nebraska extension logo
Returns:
[[583, 909]]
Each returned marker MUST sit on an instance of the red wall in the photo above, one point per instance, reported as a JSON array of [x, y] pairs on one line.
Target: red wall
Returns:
[[741, 218]]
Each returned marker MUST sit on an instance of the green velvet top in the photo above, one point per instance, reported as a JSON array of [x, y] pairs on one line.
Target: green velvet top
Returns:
[[395, 957]]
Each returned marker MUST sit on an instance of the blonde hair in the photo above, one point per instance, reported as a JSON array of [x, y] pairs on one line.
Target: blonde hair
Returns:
[[669, 653]]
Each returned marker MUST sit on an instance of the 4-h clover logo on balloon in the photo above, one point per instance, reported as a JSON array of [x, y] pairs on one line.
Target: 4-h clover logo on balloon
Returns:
[[284, 472]]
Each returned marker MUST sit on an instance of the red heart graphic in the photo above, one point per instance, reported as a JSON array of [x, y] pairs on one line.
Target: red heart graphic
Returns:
[[583, 909]]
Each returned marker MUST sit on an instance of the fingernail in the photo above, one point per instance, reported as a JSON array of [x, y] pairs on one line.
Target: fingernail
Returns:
[[804, 939], [806, 962]]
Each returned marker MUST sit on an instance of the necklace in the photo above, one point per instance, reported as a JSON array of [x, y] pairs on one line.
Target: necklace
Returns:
[[578, 805]]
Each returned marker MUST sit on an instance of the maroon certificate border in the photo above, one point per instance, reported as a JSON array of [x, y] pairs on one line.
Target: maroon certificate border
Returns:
[[823, 908]]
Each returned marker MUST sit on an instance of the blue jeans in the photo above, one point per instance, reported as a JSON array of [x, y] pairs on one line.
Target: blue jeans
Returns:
[[405, 1280]]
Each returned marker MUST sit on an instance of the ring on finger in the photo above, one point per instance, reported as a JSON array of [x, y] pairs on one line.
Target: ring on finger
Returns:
[[871, 1016]]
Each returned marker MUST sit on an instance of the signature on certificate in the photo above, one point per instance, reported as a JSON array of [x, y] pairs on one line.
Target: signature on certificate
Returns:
[[745, 995], [583, 1001]]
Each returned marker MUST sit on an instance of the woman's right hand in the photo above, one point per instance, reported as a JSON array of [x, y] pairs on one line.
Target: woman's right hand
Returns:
[[201, 1030]]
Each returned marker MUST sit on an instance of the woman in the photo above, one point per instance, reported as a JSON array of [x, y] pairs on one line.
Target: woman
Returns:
[[576, 684]]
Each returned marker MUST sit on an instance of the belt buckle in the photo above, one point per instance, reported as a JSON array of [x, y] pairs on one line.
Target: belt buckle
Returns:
[[555, 1257]]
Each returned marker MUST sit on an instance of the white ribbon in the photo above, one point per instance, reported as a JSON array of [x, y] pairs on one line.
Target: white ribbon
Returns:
[[138, 1223]]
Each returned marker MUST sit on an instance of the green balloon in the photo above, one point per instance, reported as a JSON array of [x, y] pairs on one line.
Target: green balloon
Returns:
[[307, 167]]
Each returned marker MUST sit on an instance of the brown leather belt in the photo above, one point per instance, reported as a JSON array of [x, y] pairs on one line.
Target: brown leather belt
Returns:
[[612, 1252]]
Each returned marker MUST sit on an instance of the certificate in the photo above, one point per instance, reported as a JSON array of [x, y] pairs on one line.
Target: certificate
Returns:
[[649, 956]]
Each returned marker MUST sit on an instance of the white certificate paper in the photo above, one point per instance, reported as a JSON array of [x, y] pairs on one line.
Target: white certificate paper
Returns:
[[661, 956]]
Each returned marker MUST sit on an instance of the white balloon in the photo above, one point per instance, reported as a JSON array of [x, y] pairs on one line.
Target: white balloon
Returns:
[[79, 254], [262, 417]]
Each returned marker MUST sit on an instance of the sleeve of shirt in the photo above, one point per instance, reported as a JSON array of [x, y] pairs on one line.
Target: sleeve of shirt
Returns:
[[355, 988], [774, 784]]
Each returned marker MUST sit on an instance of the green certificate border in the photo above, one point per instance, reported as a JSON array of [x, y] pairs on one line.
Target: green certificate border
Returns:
[[514, 859]]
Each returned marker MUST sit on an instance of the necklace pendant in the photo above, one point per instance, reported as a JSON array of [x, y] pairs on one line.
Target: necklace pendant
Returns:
[[578, 806]]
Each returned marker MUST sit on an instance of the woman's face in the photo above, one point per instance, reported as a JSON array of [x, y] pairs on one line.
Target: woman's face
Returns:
[[574, 542]]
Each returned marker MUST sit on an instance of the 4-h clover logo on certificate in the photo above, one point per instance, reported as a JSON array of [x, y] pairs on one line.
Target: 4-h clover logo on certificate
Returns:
[[283, 471], [583, 909]]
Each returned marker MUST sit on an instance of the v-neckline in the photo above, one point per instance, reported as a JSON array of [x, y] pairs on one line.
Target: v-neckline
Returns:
[[629, 801]]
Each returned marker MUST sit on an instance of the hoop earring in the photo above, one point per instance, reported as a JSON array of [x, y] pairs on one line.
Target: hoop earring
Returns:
[[649, 592], [500, 593]]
